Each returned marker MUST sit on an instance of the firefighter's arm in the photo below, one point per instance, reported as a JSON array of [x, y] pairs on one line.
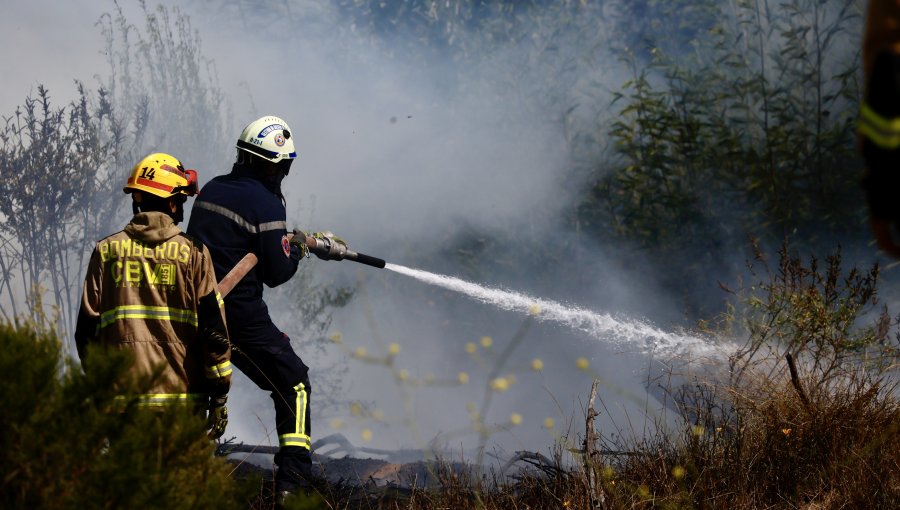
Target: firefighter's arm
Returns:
[[215, 343], [212, 327], [88, 314], [213, 337], [217, 351], [278, 258]]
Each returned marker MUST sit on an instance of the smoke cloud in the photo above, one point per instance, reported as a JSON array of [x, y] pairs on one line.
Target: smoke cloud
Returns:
[[398, 156]]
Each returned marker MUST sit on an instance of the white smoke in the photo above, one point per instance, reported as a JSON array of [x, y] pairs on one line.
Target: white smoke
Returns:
[[394, 151]]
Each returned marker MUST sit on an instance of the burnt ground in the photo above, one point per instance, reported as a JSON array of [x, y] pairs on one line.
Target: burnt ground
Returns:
[[353, 477], [356, 477], [339, 462]]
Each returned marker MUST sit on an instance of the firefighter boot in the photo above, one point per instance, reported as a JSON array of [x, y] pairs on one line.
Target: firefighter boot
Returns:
[[295, 472]]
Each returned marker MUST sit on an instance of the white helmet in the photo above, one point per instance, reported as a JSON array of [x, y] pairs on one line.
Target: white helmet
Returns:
[[268, 137]]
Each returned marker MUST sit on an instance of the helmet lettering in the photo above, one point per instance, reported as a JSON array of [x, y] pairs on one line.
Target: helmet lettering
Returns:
[[268, 129], [148, 173]]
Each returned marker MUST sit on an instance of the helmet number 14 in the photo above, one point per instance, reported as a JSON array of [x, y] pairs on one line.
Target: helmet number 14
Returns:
[[148, 173]]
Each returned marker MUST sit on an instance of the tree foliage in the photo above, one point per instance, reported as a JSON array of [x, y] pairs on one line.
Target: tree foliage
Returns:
[[53, 166], [752, 133], [62, 168]]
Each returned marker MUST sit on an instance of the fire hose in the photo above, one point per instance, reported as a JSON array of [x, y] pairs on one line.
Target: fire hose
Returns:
[[247, 263]]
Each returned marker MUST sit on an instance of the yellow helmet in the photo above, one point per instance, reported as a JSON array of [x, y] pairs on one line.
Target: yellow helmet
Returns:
[[162, 175]]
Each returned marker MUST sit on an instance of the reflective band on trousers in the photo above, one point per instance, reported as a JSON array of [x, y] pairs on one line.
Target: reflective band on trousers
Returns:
[[300, 440], [147, 312], [218, 371], [161, 399], [239, 220], [220, 299], [883, 132], [299, 436]]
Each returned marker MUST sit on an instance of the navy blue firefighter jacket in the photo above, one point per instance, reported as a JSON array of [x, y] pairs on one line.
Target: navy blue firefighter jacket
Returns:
[[234, 215]]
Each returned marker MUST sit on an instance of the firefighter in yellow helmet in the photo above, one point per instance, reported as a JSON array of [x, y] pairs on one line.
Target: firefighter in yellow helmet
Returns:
[[151, 289], [879, 121]]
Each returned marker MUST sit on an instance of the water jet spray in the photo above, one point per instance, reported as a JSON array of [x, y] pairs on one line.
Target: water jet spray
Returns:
[[623, 332]]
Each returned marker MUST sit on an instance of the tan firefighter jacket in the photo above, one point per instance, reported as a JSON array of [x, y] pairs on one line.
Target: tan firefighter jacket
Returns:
[[151, 289]]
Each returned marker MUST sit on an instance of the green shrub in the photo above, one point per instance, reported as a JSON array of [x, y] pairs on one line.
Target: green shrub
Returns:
[[64, 447]]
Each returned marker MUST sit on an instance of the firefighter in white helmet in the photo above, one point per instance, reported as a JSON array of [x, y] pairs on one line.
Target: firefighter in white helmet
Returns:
[[151, 289], [244, 212]]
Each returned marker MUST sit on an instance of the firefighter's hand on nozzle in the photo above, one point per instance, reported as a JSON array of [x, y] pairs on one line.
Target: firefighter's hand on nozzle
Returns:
[[217, 419], [328, 246], [299, 248]]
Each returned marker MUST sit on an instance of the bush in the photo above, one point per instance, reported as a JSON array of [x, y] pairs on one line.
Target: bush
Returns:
[[805, 414], [63, 447]]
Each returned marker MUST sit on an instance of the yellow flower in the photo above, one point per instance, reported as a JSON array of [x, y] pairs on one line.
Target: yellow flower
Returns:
[[394, 349], [336, 337], [678, 472], [337, 423], [698, 430], [582, 363], [471, 347], [486, 342], [360, 352], [549, 423], [355, 408], [463, 377], [515, 419], [534, 309], [403, 374], [500, 384], [537, 365], [366, 435]]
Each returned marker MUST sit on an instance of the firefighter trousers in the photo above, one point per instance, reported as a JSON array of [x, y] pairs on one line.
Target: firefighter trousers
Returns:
[[273, 366]]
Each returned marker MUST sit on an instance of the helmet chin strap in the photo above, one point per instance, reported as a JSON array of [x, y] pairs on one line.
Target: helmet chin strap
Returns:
[[178, 214], [268, 173]]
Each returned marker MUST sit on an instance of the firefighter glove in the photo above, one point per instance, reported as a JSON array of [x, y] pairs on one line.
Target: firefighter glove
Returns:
[[299, 249], [217, 419], [329, 247]]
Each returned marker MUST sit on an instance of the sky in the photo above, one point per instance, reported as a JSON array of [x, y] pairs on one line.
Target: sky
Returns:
[[392, 156]]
